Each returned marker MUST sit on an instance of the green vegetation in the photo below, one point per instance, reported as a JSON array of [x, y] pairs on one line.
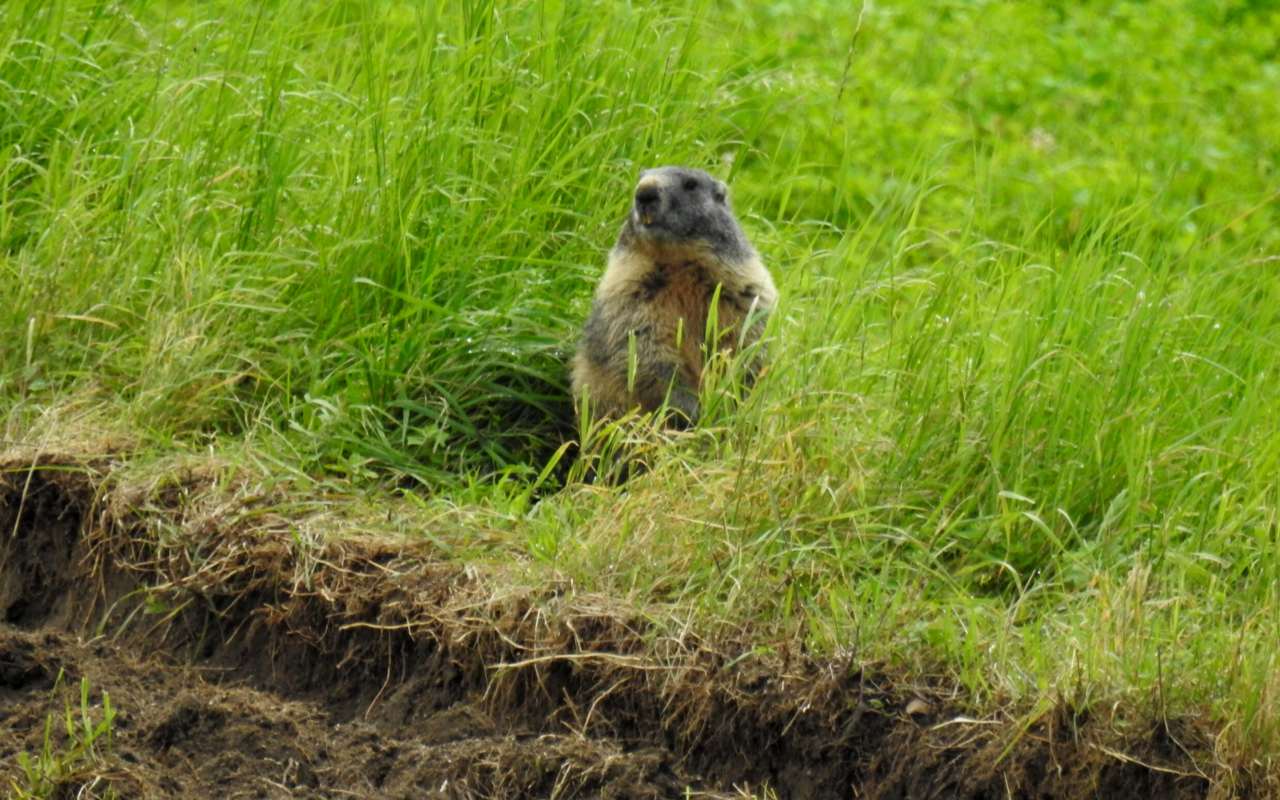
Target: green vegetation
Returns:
[[1020, 429], [80, 762]]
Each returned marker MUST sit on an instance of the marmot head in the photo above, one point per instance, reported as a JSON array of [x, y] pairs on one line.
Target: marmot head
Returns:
[[678, 205]]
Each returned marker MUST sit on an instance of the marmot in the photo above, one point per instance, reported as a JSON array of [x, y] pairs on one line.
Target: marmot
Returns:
[[680, 244]]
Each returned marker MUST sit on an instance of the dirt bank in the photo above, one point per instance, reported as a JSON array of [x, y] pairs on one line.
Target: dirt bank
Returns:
[[241, 659]]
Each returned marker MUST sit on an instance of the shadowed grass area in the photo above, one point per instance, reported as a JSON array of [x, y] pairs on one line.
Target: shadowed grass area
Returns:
[[1020, 425]]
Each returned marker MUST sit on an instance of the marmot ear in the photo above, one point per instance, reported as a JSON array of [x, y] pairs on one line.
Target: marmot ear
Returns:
[[720, 189]]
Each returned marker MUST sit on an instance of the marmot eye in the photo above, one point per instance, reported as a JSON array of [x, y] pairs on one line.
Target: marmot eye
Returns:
[[690, 184]]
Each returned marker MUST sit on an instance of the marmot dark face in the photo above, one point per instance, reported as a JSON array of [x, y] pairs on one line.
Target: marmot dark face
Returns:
[[682, 205]]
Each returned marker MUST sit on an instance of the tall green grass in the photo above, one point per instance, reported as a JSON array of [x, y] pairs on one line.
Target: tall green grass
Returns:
[[373, 226], [1020, 424]]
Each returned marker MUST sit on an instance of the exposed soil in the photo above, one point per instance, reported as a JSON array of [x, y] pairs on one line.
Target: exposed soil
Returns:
[[241, 660]]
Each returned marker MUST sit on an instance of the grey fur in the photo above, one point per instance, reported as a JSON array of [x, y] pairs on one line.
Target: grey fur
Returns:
[[680, 242]]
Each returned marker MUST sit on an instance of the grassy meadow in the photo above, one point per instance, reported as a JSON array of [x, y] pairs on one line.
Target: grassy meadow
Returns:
[[1020, 428]]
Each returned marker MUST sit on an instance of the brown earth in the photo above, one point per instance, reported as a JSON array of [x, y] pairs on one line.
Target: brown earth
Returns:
[[241, 659]]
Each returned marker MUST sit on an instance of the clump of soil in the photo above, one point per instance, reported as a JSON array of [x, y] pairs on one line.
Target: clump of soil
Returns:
[[241, 660]]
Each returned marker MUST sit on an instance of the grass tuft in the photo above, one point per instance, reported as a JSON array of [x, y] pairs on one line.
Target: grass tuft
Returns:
[[77, 763]]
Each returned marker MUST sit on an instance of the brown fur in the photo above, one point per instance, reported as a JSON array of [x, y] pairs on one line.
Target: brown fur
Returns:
[[656, 295]]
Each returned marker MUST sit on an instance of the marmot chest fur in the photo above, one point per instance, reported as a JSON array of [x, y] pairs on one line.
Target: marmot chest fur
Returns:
[[680, 251]]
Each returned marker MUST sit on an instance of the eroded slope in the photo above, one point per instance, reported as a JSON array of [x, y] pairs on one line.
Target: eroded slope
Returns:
[[242, 659]]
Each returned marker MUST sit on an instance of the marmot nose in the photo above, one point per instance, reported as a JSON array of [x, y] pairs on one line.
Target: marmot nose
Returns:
[[647, 197]]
